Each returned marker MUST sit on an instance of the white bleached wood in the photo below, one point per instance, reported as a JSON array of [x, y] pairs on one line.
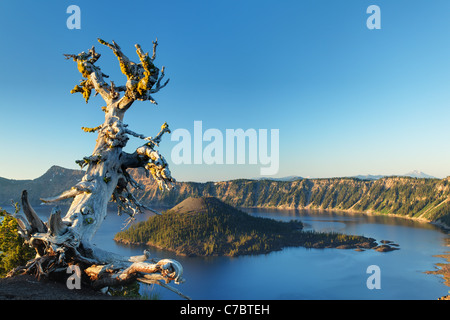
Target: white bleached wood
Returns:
[[67, 240]]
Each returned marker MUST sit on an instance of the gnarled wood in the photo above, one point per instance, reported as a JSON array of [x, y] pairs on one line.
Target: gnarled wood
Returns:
[[67, 240], [65, 195], [35, 222], [55, 224]]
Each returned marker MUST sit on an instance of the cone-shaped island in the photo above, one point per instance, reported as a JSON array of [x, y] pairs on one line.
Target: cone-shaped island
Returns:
[[206, 226]]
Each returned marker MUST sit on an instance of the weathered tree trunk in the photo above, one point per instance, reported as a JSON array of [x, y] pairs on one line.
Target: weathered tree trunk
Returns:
[[89, 208], [64, 241]]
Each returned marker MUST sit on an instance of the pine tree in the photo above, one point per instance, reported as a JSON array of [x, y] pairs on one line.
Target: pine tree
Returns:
[[13, 251]]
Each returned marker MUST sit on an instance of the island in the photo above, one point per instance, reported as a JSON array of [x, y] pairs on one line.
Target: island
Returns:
[[206, 226]]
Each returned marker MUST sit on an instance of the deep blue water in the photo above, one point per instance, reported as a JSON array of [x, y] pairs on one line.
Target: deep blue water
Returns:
[[300, 273]]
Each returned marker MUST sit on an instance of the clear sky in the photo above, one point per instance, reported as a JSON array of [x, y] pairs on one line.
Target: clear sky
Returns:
[[346, 100]]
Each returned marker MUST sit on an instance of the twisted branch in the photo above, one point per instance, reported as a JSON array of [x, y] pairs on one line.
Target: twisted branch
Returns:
[[57, 247], [92, 75]]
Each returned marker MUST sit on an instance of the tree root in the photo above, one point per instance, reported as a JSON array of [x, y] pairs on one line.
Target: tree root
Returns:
[[57, 248]]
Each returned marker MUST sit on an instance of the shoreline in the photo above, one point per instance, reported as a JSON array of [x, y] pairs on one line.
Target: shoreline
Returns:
[[442, 269], [368, 244], [444, 227]]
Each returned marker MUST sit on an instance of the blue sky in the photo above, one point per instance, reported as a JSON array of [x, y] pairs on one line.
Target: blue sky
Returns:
[[346, 100]]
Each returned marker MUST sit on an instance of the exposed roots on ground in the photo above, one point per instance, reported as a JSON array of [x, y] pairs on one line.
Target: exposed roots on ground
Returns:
[[57, 249]]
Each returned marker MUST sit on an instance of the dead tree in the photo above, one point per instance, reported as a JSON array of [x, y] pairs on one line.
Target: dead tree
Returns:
[[67, 240]]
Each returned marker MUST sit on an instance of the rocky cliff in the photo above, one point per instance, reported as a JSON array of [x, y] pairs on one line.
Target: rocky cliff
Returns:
[[426, 199], [51, 183]]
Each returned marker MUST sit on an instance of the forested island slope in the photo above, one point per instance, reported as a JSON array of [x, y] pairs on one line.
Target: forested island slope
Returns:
[[206, 226], [426, 199]]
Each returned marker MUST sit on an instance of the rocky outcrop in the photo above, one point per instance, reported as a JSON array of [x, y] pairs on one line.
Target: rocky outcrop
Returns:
[[48, 185], [426, 199]]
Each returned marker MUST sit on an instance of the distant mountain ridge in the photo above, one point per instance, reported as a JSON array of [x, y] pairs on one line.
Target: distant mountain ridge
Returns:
[[368, 177], [56, 180], [288, 178], [412, 174], [426, 199]]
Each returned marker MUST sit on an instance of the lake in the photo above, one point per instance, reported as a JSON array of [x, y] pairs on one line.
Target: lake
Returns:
[[300, 273]]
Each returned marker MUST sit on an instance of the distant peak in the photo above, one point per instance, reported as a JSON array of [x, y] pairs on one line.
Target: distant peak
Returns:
[[55, 167], [58, 171], [418, 174]]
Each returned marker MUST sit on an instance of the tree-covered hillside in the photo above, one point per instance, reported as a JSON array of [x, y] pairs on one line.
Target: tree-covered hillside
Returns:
[[412, 197], [206, 226]]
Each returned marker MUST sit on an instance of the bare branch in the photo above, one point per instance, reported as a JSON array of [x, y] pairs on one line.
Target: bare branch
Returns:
[[149, 159], [164, 129], [141, 77], [85, 129], [127, 202], [65, 195], [91, 159], [100, 85], [35, 222], [155, 44], [134, 134], [79, 188], [126, 66], [92, 74], [158, 83], [113, 275], [125, 102], [150, 73], [112, 91], [157, 279]]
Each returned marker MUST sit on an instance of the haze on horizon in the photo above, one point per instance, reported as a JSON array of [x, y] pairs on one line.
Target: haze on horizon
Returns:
[[413, 173], [347, 100]]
